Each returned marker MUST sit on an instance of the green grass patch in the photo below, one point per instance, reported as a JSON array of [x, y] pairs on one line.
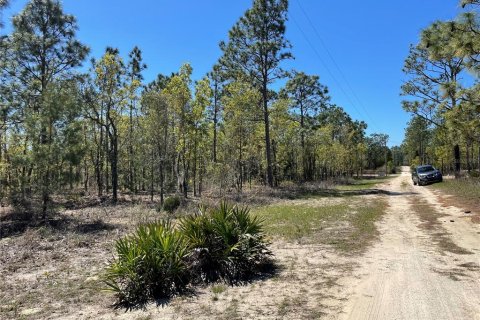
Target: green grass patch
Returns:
[[465, 189], [292, 222], [219, 288], [364, 228], [348, 228]]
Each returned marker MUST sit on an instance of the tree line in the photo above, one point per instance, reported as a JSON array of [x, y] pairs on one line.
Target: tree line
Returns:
[[67, 132], [442, 92]]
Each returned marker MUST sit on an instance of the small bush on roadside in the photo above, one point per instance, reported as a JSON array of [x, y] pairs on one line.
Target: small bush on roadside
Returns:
[[171, 204], [227, 243], [150, 264]]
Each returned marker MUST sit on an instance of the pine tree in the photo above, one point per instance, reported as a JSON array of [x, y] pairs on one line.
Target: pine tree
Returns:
[[178, 95], [41, 51], [241, 118], [433, 71], [134, 78], [308, 96], [215, 111], [3, 5], [255, 49], [203, 97], [106, 102]]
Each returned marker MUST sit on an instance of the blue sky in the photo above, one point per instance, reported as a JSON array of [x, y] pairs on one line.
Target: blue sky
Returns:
[[368, 41]]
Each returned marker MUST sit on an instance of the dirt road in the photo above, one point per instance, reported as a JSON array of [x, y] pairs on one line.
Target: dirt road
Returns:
[[419, 269]]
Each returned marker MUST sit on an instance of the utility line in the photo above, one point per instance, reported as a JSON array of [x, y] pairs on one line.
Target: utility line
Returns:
[[326, 66], [335, 65]]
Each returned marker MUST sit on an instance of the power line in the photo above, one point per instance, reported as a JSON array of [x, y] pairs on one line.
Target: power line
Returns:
[[326, 67], [335, 65]]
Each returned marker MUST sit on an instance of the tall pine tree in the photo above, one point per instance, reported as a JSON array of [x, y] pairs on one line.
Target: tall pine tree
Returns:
[[256, 48]]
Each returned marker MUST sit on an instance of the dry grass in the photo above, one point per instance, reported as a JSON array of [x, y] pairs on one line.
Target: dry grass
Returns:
[[50, 270], [465, 192], [429, 218], [363, 183]]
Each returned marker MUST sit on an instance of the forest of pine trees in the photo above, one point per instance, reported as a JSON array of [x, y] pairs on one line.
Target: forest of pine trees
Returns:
[[442, 93], [65, 132]]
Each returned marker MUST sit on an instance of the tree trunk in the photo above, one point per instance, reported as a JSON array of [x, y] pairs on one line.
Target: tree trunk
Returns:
[[185, 177], [152, 174], [478, 165], [99, 164], [275, 173], [467, 155], [215, 122], [200, 179], [306, 172], [162, 177], [131, 182], [108, 156], [162, 152], [114, 163], [456, 152], [195, 166], [46, 194], [267, 135]]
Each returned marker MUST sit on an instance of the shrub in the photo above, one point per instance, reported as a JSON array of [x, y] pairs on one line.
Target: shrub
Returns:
[[171, 204], [158, 261], [150, 264], [227, 243]]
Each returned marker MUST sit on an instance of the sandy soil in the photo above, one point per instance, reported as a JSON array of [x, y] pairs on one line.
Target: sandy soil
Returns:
[[407, 275]]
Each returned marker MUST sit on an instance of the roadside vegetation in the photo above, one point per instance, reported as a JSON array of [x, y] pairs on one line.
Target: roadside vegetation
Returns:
[[109, 135], [348, 227], [159, 260], [465, 190], [463, 193]]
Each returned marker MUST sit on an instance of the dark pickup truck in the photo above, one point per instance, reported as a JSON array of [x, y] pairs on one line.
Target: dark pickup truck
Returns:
[[422, 175]]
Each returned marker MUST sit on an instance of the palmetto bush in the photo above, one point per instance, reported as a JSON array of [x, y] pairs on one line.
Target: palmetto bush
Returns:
[[227, 243], [160, 261], [150, 264]]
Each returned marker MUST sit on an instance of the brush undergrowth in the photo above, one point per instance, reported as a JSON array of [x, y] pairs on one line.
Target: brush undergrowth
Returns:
[[150, 264], [228, 243], [159, 260]]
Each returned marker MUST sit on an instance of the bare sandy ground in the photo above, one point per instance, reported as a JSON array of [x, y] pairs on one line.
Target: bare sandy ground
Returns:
[[406, 275]]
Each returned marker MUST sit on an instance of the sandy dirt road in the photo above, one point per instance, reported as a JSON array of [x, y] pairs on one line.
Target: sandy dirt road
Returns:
[[407, 274]]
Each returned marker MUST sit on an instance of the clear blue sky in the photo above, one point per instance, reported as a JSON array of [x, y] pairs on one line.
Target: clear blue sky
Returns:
[[368, 41]]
